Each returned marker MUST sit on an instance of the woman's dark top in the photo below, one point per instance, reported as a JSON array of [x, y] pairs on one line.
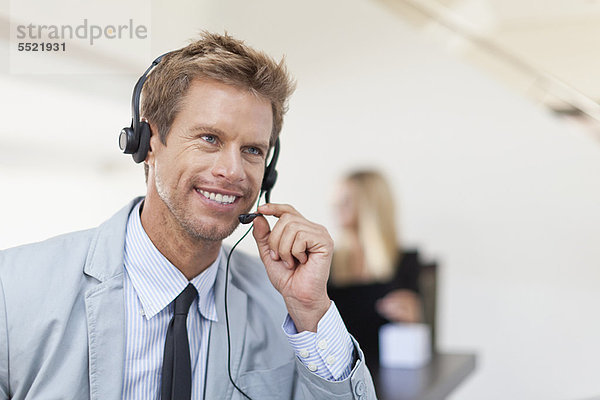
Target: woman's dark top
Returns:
[[356, 304]]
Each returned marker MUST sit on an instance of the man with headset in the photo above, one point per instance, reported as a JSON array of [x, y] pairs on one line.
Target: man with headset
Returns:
[[150, 305]]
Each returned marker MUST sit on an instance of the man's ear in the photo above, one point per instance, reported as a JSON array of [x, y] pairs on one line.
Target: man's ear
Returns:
[[154, 143]]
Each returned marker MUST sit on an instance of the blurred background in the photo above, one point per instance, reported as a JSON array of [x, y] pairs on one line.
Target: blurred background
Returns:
[[482, 113]]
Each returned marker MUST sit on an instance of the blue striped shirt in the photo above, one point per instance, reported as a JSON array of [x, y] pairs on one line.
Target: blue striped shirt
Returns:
[[151, 283]]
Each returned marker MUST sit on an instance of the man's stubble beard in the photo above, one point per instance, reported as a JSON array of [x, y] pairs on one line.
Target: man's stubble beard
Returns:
[[194, 228]]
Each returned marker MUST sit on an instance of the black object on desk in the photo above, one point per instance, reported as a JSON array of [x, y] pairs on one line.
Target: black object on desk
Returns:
[[434, 381]]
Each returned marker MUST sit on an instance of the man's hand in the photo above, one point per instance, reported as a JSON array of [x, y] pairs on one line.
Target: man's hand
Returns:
[[297, 256]]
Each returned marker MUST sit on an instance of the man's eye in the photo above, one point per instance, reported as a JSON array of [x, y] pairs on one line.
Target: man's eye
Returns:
[[209, 138], [254, 150]]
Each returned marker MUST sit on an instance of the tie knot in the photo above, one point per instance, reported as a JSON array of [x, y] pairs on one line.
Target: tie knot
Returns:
[[184, 300]]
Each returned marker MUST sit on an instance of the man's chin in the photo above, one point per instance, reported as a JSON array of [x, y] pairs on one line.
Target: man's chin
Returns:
[[213, 233]]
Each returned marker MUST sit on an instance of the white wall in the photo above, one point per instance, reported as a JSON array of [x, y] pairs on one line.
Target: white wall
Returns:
[[502, 194]]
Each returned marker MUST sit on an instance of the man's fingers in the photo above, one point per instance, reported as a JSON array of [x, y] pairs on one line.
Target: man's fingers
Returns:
[[292, 236], [261, 233], [275, 235], [277, 210], [299, 249], [286, 241]]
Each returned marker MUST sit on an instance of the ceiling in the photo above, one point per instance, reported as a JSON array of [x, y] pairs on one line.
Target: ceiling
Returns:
[[547, 50]]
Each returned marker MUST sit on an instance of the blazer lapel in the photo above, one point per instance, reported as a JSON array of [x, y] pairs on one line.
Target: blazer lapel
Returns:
[[217, 384], [106, 336], [105, 307]]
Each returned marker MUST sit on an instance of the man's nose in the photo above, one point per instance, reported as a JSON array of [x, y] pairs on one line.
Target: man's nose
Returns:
[[228, 165]]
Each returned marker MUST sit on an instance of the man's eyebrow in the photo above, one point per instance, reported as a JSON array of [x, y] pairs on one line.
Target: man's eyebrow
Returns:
[[198, 129]]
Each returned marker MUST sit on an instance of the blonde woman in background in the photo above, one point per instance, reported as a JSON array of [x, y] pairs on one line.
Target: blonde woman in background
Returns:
[[373, 279]]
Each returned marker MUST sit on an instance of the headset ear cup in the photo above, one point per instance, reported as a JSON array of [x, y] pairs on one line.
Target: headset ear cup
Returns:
[[269, 179], [127, 141], [142, 151], [270, 175]]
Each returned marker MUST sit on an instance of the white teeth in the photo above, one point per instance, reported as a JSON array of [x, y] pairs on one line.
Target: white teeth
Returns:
[[218, 197]]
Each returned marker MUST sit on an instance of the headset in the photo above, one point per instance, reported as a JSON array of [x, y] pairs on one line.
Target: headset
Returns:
[[135, 140]]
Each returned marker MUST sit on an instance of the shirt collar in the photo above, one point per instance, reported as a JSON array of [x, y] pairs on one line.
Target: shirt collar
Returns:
[[155, 280]]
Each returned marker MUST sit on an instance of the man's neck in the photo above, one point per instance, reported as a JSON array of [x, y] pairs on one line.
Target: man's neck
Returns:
[[190, 255]]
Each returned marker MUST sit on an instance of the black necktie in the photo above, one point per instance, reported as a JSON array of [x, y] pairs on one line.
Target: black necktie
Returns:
[[177, 366]]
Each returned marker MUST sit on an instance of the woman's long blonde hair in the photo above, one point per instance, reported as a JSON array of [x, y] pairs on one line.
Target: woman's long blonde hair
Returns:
[[376, 225]]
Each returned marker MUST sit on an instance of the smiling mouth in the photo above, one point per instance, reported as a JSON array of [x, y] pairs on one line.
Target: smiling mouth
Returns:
[[217, 197]]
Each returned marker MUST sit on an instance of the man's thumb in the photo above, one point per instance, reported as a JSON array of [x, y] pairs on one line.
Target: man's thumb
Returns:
[[261, 233]]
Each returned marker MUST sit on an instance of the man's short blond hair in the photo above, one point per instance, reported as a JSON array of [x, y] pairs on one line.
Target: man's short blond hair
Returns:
[[221, 58]]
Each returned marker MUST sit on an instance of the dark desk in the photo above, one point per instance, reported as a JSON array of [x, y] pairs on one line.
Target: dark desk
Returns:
[[434, 381]]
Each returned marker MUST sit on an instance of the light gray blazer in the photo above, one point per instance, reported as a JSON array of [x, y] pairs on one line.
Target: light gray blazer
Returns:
[[62, 326]]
